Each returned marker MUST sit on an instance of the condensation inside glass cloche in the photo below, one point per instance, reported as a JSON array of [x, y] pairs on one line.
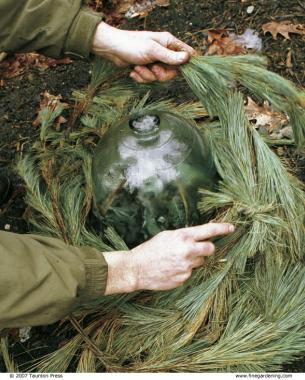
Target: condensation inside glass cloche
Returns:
[[146, 174]]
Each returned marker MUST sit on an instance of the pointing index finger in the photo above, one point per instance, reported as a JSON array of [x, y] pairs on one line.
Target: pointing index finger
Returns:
[[210, 230]]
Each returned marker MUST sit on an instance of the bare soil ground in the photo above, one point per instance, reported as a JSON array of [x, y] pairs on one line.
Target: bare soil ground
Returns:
[[189, 20]]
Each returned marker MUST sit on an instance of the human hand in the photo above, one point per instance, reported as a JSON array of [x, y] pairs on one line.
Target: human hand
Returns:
[[164, 262], [124, 47]]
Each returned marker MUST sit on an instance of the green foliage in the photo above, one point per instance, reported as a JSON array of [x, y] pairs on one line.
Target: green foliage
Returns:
[[212, 78], [4, 352], [241, 311]]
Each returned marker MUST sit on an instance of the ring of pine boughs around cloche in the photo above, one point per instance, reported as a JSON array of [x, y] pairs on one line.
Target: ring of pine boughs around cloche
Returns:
[[243, 310]]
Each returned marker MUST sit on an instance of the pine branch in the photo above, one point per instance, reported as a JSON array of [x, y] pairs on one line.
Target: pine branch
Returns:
[[212, 77], [242, 310]]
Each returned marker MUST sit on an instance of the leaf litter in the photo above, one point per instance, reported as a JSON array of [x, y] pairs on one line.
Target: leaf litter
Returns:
[[133, 8], [263, 117], [267, 120], [222, 42], [17, 64], [52, 103], [284, 28]]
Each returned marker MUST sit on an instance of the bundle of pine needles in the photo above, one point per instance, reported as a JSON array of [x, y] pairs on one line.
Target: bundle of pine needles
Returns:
[[241, 311]]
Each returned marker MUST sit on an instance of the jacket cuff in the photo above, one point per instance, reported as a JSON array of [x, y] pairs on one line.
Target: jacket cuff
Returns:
[[96, 273], [80, 36]]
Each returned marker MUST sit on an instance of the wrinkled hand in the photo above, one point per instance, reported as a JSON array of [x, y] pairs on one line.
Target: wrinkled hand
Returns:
[[164, 262], [124, 47]]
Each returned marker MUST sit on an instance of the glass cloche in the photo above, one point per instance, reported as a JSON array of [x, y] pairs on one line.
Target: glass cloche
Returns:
[[146, 173]]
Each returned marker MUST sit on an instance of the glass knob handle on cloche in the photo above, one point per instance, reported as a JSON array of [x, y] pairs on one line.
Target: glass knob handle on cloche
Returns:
[[145, 124], [145, 128], [146, 173]]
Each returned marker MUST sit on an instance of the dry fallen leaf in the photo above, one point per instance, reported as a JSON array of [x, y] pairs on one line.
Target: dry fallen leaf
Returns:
[[97, 5], [18, 63], [220, 43], [283, 28], [162, 3], [58, 122], [265, 116], [123, 6], [140, 8], [51, 102]]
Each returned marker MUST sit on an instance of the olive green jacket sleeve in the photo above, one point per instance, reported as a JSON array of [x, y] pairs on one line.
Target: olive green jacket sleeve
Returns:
[[42, 279], [51, 27]]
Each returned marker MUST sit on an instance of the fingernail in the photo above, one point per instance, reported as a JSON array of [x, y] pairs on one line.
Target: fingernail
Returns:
[[182, 56], [231, 228]]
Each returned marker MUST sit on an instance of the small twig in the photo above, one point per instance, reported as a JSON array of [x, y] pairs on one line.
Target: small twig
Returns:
[[47, 172], [93, 347], [16, 193], [280, 142], [80, 108]]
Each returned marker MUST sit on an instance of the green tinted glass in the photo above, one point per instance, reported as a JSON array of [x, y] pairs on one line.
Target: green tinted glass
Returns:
[[146, 174]]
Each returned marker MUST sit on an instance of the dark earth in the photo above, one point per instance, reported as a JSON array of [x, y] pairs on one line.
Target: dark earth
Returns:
[[188, 20]]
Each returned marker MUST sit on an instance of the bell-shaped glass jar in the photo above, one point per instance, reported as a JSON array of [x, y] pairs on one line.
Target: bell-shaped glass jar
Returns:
[[146, 174]]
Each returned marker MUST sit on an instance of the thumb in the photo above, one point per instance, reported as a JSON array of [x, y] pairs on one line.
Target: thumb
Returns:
[[170, 57]]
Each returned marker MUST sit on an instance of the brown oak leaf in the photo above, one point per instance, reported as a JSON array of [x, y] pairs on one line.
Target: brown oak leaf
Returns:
[[51, 102], [135, 8], [16, 65], [283, 28], [265, 116], [142, 8], [220, 43]]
